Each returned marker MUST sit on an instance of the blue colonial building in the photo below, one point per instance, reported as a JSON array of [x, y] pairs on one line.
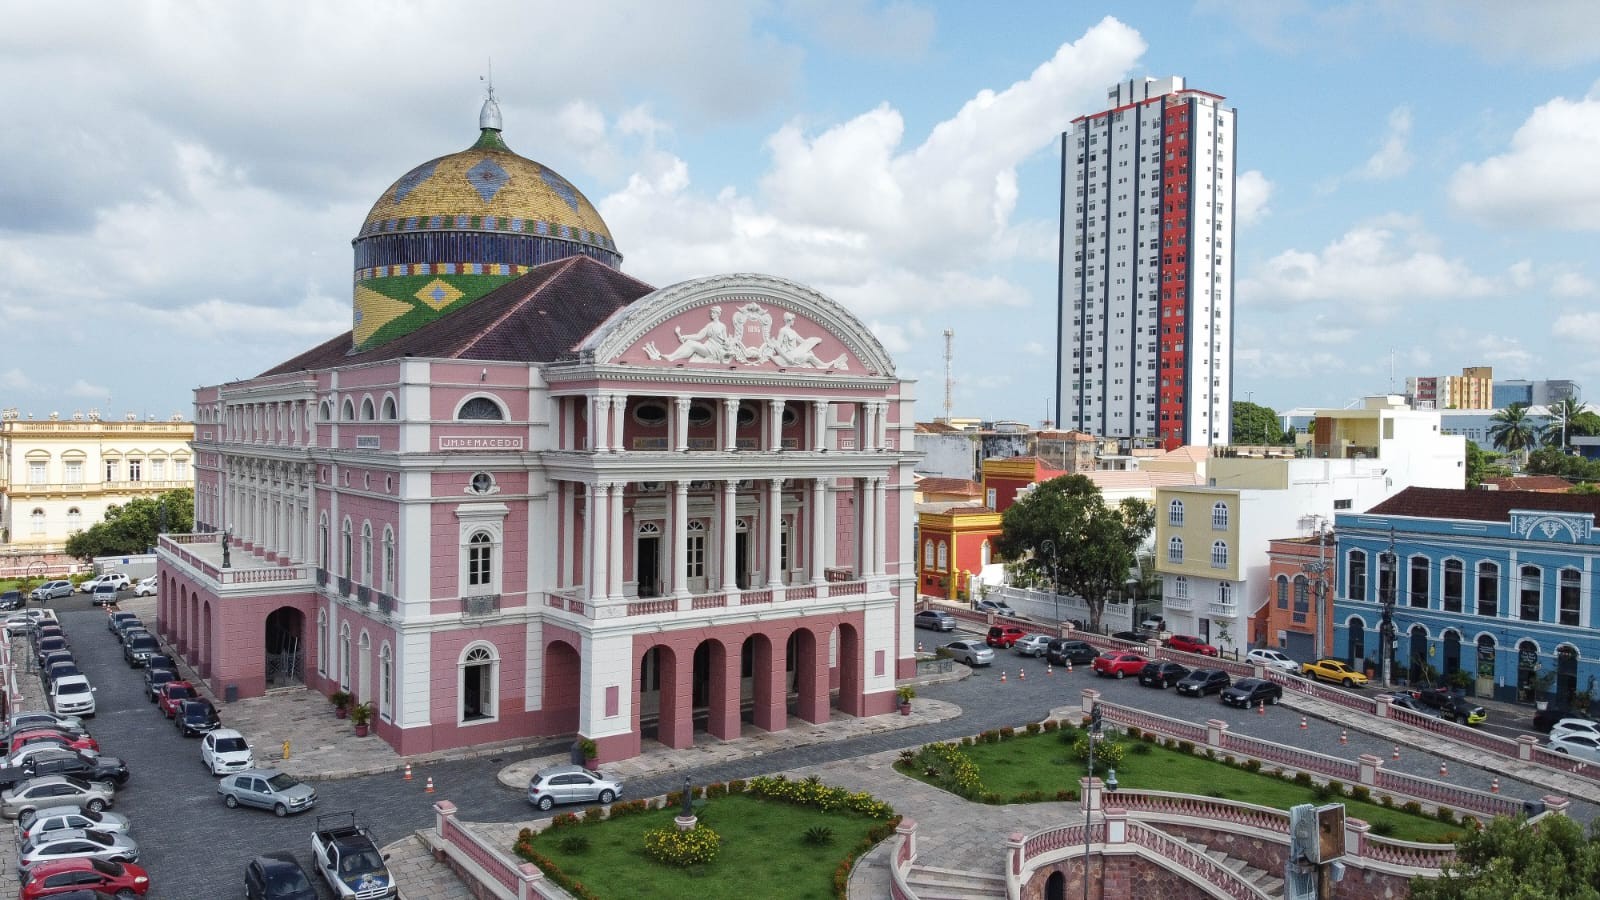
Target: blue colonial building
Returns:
[[1499, 584]]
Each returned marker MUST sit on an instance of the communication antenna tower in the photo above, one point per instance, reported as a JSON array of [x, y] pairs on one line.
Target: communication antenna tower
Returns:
[[949, 372]]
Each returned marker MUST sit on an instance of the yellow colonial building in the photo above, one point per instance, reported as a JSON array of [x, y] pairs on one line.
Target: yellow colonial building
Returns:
[[59, 476]]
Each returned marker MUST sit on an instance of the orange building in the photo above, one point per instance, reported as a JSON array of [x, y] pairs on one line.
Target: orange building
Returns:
[[955, 543], [1286, 619], [1002, 478]]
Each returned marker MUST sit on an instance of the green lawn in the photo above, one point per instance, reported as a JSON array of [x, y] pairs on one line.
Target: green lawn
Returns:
[[1043, 763], [762, 854]]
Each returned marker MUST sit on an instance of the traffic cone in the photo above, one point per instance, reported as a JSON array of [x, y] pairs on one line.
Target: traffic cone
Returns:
[[1049, 669], [429, 789], [1261, 709], [1069, 667], [1302, 723], [408, 771], [1396, 756], [1002, 676], [1022, 674], [1444, 771], [1494, 787], [1344, 737], [919, 646]]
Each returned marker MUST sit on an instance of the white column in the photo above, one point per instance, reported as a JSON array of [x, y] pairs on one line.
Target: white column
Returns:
[[880, 524], [618, 540], [619, 412], [865, 527], [730, 423], [680, 539], [883, 424], [594, 542], [819, 535], [774, 527], [680, 426], [599, 422], [819, 426], [730, 578], [775, 425], [569, 534]]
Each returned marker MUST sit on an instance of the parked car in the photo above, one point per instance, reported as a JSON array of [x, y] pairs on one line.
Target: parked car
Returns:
[[85, 878], [49, 630], [18, 624], [1573, 725], [72, 695], [153, 680], [161, 661], [266, 789], [225, 750], [103, 595], [50, 736], [1003, 636], [1118, 664], [55, 790], [1452, 705], [1583, 746], [1203, 681], [1545, 719], [115, 620], [51, 846], [146, 588], [1272, 659], [55, 818], [1065, 650], [348, 858], [1334, 670], [277, 876], [1400, 700], [571, 784], [196, 717], [127, 627], [87, 766], [936, 619], [1162, 674], [970, 652], [47, 645], [994, 606], [1188, 643], [11, 600], [1138, 637], [1034, 645], [116, 579], [43, 719], [58, 669], [139, 648], [173, 693], [1250, 692], [51, 590]]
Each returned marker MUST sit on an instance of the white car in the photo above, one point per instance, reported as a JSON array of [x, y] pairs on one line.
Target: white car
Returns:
[[1584, 746], [224, 750], [29, 751], [145, 588], [117, 579], [1272, 659], [58, 818], [72, 695], [1575, 726]]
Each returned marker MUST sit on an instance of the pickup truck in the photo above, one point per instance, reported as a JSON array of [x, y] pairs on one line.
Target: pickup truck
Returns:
[[349, 860]]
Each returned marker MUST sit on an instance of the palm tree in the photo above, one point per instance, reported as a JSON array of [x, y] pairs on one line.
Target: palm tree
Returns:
[[1569, 418], [1512, 430]]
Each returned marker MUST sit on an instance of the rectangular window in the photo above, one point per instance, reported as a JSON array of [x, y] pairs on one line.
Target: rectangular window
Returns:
[[1571, 592], [135, 469], [1488, 589], [1356, 580], [1283, 593], [1529, 594], [1302, 604], [1452, 585], [1419, 581], [697, 554], [479, 562], [180, 470], [74, 472], [111, 470], [158, 470], [1388, 577], [36, 473]]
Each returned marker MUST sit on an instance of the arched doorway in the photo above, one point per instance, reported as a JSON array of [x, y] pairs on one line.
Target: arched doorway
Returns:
[[661, 690], [769, 684], [1452, 653], [1055, 887], [1566, 675], [1486, 665], [1418, 670], [563, 685], [284, 646], [808, 658], [206, 640], [1527, 669], [850, 666], [1357, 645]]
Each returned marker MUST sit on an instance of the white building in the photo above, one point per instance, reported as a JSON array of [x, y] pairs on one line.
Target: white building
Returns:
[[1146, 309]]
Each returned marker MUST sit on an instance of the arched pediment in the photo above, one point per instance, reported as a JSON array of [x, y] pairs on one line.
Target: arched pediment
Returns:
[[743, 322]]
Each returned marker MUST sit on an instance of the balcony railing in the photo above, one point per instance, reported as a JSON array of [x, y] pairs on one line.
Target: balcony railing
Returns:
[[480, 605], [1224, 608]]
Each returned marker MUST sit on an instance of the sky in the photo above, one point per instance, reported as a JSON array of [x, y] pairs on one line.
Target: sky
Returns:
[[1419, 180]]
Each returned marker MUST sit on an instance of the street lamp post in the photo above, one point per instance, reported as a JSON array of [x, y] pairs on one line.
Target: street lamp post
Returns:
[[1094, 735], [1387, 592], [1049, 547], [1319, 568]]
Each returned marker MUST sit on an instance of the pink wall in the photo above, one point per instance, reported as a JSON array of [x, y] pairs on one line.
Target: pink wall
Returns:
[[692, 321]]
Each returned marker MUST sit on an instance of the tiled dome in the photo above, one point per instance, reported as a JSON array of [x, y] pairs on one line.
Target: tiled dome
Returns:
[[455, 228]]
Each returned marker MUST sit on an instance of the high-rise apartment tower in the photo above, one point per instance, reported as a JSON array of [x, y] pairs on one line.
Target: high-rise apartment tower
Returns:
[[1145, 348]]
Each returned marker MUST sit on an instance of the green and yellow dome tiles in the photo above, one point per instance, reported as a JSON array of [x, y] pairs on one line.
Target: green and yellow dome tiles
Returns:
[[457, 227]]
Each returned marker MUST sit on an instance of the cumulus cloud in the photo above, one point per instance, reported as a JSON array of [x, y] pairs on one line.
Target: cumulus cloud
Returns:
[[82, 388], [1547, 177], [1578, 327], [1252, 191], [15, 381], [1571, 284], [1392, 159]]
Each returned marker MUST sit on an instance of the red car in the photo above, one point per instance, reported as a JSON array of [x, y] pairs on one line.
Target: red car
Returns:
[[63, 876], [48, 736], [1113, 664], [1188, 643], [1003, 636], [173, 695]]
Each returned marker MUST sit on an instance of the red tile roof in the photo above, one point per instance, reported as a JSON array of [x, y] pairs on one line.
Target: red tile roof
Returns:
[[937, 428], [1530, 483], [539, 317], [950, 486], [1480, 506]]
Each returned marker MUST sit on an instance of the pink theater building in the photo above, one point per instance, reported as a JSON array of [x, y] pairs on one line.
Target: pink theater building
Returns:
[[527, 495]]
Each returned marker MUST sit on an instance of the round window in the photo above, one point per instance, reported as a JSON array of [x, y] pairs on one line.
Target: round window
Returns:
[[747, 414], [700, 413], [650, 413], [482, 483], [790, 415]]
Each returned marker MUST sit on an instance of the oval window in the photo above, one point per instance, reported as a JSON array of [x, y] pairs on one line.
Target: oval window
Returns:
[[650, 413], [747, 414], [700, 413]]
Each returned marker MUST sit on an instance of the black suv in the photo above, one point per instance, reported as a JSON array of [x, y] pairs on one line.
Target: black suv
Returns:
[[1162, 674], [1248, 692], [1204, 681], [1062, 651], [196, 718], [276, 876], [107, 769], [154, 678], [11, 600]]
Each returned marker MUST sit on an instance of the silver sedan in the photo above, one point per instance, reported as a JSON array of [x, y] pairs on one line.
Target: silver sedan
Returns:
[[75, 844], [970, 652]]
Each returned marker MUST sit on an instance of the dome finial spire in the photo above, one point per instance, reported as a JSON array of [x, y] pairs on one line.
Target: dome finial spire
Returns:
[[489, 118]]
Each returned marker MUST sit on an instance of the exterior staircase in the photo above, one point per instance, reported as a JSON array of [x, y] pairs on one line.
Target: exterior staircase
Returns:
[[1269, 884], [933, 883]]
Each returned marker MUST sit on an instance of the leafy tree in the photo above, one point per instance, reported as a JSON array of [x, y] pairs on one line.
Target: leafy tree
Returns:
[[1588, 487], [1551, 461], [1512, 860], [1512, 430], [1579, 421], [1477, 462], [132, 527], [1096, 545], [1255, 424]]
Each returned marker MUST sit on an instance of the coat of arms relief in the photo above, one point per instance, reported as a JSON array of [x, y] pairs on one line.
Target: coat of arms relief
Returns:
[[715, 343]]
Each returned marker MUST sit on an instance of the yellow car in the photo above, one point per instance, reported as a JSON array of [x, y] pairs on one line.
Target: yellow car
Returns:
[[1333, 670]]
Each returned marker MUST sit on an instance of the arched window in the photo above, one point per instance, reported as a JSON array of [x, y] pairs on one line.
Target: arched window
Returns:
[[1219, 555], [1175, 549], [481, 409], [1530, 593], [1488, 589], [368, 411], [385, 682], [1283, 592], [479, 676], [325, 411], [1571, 592], [74, 519], [983, 553], [1219, 516], [1225, 592], [349, 410], [36, 521], [345, 551], [944, 556], [322, 642], [1355, 576], [389, 410], [480, 561], [366, 553], [1180, 587], [927, 554], [695, 566], [1175, 513], [322, 546], [344, 657], [388, 560], [1302, 603]]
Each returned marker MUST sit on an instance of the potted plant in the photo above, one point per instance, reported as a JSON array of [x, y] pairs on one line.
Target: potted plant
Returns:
[[361, 715], [591, 753], [1542, 680], [341, 703], [906, 692]]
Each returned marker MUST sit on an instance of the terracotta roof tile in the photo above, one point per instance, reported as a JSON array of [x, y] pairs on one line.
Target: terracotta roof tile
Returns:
[[1530, 483], [950, 486], [1480, 506]]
